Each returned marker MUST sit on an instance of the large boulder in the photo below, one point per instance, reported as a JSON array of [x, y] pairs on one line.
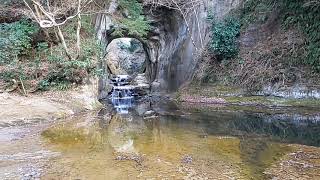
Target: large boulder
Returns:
[[125, 56]]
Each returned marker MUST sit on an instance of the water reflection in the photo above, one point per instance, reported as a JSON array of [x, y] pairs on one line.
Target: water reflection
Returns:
[[286, 130], [243, 144]]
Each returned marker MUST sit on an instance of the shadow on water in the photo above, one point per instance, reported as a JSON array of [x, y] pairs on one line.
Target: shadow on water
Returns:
[[157, 139]]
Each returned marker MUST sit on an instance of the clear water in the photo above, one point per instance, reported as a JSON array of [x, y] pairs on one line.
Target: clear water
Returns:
[[177, 142]]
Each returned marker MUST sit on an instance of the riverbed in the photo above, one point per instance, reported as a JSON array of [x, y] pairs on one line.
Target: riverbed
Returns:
[[166, 140]]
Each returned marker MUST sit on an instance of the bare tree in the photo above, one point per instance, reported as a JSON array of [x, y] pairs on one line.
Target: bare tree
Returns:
[[49, 16], [78, 29]]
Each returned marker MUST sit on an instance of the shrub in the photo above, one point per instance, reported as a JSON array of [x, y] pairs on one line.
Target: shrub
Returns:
[[135, 23], [294, 14], [306, 18], [15, 39], [64, 72], [224, 38], [255, 11], [44, 64]]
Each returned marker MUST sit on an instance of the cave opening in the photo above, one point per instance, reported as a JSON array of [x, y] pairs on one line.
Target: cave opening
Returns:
[[126, 56]]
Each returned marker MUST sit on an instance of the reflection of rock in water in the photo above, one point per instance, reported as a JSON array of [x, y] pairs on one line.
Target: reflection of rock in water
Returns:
[[235, 144], [285, 129], [122, 131]]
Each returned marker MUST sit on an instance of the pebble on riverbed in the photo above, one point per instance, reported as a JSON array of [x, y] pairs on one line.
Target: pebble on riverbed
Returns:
[[187, 159], [130, 157]]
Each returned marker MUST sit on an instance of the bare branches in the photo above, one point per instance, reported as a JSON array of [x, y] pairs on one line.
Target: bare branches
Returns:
[[31, 10], [78, 29], [183, 6], [47, 16], [51, 17]]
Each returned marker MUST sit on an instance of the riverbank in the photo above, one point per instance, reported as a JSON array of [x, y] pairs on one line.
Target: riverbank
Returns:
[[183, 139], [22, 120], [46, 106], [43, 135], [234, 96]]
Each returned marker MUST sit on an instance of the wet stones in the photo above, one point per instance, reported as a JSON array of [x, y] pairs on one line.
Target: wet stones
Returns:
[[150, 115], [130, 157], [187, 159], [142, 86], [126, 89]]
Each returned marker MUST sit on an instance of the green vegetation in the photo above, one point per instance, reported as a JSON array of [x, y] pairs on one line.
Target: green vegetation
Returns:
[[37, 58], [224, 35], [255, 12], [294, 14], [65, 72], [305, 17], [134, 23], [43, 65], [281, 45], [15, 40]]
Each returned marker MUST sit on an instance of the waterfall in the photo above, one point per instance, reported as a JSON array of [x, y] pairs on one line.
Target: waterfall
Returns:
[[122, 95]]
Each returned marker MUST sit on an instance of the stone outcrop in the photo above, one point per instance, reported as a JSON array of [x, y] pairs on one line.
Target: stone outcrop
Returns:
[[297, 91], [174, 43], [177, 41], [141, 84]]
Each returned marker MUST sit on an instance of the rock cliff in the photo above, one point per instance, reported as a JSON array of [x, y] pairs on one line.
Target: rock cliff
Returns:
[[174, 43]]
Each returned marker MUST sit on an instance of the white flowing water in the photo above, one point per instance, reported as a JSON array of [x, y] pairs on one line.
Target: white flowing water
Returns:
[[122, 94]]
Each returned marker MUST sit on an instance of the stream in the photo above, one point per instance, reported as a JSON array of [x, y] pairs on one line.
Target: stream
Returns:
[[162, 141], [159, 139]]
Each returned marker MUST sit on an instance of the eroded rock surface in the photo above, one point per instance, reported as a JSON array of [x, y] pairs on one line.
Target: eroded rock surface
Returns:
[[173, 43]]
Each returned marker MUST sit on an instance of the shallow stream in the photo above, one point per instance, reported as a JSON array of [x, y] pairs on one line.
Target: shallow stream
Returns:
[[185, 141]]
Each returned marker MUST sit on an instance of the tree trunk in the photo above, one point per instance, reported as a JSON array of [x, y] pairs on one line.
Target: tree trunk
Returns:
[[78, 30], [63, 41]]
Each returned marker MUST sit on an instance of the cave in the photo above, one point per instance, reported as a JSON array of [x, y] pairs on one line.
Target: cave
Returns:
[[172, 46], [125, 56]]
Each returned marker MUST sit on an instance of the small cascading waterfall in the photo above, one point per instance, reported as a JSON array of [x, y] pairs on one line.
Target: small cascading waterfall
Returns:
[[122, 95]]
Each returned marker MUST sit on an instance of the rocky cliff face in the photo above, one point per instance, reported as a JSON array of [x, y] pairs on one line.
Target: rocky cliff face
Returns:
[[175, 42]]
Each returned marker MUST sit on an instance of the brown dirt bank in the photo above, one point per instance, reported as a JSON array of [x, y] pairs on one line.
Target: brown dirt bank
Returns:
[[45, 106]]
